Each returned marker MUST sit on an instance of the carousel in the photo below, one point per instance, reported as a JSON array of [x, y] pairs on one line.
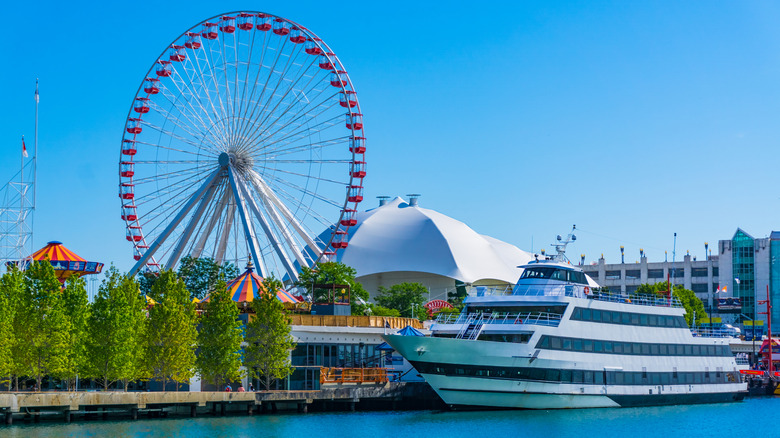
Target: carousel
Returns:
[[249, 285], [64, 261]]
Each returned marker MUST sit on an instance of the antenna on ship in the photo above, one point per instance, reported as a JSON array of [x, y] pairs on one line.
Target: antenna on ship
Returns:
[[560, 247]]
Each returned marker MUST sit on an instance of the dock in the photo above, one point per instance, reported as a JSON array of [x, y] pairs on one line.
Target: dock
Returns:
[[32, 406]]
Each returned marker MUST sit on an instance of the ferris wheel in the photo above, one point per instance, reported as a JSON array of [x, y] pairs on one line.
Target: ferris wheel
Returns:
[[244, 140]]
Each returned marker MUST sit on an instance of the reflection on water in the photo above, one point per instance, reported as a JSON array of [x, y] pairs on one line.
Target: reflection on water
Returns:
[[708, 421]]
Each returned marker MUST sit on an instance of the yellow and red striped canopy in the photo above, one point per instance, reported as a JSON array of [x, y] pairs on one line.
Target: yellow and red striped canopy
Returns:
[[64, 261], [247, 286]]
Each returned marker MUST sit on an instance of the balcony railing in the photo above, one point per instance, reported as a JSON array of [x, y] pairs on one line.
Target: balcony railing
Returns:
[[353, 375], [536, 318]]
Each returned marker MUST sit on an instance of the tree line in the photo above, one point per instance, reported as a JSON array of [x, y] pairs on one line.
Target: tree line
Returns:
[[52, 330]]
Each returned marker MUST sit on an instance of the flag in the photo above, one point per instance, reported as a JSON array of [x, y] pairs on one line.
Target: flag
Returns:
[[24, 148]]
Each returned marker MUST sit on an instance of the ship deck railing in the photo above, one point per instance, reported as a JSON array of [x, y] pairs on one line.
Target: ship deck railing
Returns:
[[536, 318], [574, 290], [712, 332]]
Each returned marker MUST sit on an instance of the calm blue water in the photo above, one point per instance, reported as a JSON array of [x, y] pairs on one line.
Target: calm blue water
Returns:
[[757, 417]]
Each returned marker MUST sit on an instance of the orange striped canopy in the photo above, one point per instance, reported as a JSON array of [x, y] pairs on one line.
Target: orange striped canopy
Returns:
[[247, 286], [64, 261]]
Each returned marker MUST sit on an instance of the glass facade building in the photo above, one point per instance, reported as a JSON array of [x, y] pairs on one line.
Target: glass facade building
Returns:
[[774, 273], [743, 269]]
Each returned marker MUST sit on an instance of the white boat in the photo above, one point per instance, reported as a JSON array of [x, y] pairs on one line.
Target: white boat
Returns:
[[553, 342]]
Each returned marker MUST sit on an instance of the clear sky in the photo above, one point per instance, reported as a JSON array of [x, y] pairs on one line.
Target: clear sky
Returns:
[[633, 120]]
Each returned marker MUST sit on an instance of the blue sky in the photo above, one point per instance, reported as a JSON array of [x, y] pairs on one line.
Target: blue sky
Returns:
[[633, 120]]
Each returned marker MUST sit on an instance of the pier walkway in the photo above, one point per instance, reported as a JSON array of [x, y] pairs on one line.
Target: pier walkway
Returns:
[[34, 405]]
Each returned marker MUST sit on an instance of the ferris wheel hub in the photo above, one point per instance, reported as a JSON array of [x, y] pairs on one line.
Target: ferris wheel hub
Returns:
[[224, 159]]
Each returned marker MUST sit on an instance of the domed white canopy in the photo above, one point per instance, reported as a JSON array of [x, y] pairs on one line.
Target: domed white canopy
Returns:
[[401, 237]]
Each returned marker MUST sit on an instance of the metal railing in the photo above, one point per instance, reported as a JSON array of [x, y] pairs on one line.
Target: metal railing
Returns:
[[639, 300], [536, 318], [709, 332], [353, 375]]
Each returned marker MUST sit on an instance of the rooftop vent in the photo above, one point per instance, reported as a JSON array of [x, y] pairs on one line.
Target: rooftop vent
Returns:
[[413, 199], [382, 200]]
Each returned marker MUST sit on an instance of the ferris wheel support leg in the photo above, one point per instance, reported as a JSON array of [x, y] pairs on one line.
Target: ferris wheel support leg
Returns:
[[288, 266], [175, 222], [198, 250], [270, 207], [187, 233], [249, 231], [223, 240], [263, 188]]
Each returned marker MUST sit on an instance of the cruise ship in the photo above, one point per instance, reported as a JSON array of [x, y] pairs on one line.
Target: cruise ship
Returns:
[[554, 341]]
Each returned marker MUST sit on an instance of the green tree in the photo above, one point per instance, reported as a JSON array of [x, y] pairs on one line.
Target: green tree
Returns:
[[407, 298], [457, 296], [690, 302], [333, 273], [76, 308], [201, 275], [115, 328], [171, 338], [11, 288], [267, 354], [43, 337], [220, 338]]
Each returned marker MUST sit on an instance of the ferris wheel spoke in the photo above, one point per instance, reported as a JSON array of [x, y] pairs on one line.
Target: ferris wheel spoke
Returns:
[[244, 98], [271, 71], [171, 192], [190, 92], [216, 120], [175, 121], [214, 66], [167, 148], [305, 191], [289, 172], [258, 130], [298, 205], [306, 131], [298, 122], [191, 116], [155, 178], [297, 148], [279, 100], [174, 136]]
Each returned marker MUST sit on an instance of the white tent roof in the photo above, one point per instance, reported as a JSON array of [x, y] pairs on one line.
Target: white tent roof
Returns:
[[399, 237]]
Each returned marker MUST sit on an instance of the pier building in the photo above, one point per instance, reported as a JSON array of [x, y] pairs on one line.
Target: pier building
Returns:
[[400, 241]]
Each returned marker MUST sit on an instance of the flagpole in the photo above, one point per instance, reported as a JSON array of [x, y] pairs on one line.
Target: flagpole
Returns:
[[35, 152]]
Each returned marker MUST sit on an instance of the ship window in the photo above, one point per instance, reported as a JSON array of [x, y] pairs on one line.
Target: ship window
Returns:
[[654, 349], [566, 376], [652, 320], [596, 315], [645, 349], [544, 342], [587, 345], [665, 378], [566, 344], [637, 348], [655, 378], [642, 319], [619, 378], [598, 378], [606, 316], [638, 380], [598, 346], [710, 350], [553, 375], [662, 350], [577, 345], [688, 350], [586, 315], [537, 374], [556, 343], [634, 319], [609, 347], [559, 274], [587, 377], [696, 350], [538, 272], [618, 347], [577, 313], [697, 377]]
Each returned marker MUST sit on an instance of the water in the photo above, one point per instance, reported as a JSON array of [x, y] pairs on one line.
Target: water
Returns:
[[753, 417]]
